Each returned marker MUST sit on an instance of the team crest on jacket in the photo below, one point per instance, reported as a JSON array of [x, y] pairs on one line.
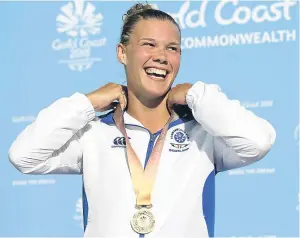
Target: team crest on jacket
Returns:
[[180, 141]]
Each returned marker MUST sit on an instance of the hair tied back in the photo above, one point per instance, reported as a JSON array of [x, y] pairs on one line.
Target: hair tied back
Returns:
[[136, 9]]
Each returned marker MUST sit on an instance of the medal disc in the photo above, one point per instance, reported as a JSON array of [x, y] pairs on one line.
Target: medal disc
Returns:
[[143, 221]]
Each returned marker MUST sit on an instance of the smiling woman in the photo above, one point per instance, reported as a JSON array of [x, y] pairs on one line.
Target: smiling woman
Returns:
[[149, 164], [150, 51]]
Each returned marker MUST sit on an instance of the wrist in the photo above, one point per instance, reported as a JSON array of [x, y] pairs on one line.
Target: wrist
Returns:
[[189, 86], [194, 94], [83, 105], [91, 98]]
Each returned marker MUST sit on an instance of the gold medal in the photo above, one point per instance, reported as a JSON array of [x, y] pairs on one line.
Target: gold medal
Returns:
[[143, 221]]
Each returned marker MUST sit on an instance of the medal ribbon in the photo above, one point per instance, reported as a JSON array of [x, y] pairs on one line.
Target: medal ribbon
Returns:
[[143, 180]]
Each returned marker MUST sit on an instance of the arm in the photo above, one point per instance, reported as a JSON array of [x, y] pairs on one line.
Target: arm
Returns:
[[51, 144], [240, 137]]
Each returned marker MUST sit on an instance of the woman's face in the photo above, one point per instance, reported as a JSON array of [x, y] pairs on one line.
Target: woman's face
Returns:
[[151, 58]]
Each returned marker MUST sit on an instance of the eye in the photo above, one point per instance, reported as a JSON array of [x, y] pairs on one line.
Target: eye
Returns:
[[174, 48], [148, 44]]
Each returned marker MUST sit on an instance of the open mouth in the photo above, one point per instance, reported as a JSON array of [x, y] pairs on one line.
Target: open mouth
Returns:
[[156, 73]]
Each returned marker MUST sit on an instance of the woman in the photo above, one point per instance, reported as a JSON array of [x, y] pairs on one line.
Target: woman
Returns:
[[194, 130]]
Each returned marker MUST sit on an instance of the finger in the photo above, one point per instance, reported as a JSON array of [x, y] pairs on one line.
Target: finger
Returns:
[[122, 100]]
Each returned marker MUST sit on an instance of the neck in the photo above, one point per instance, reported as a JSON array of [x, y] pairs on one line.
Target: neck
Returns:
[[152, 113]]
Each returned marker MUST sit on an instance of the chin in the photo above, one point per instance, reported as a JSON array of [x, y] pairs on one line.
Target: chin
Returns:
[[156, 89], [155, 92]]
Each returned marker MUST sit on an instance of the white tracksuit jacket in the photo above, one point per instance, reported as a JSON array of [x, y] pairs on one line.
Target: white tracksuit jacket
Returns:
[[67, 137]]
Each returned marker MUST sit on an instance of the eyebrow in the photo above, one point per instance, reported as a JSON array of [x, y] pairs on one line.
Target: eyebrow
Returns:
[[151, 39]]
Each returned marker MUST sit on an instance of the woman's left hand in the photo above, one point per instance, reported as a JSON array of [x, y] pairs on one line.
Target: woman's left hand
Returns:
[[177, 95]]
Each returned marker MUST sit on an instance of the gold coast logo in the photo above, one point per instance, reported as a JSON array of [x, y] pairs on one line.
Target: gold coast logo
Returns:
[[81, 26], [179, 141]]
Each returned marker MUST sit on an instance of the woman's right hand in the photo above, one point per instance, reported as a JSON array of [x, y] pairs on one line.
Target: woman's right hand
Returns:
[[104, 98]]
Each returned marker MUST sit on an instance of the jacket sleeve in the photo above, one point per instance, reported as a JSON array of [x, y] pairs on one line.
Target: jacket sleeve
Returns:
[[51, 144], [240, 137]]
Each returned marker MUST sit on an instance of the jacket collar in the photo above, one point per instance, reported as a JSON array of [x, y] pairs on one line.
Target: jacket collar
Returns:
[[182, 114], [129, 120]]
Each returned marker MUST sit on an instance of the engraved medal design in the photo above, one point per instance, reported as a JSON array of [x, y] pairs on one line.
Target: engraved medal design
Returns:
[[143, 221]]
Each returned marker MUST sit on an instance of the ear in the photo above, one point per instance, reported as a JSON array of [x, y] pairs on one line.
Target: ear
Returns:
[[121, 54]]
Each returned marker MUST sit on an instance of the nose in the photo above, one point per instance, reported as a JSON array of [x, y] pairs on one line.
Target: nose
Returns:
[[160, 57]]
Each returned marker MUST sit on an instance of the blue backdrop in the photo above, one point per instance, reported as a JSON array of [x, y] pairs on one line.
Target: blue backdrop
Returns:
[[250, 48]]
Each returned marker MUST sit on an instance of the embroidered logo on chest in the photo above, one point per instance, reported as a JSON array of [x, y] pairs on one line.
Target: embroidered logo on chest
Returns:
[[179, 141], [119, 142]]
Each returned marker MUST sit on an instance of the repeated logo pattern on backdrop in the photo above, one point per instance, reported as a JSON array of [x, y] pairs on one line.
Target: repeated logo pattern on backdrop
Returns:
[[249, 48], [79, 22]]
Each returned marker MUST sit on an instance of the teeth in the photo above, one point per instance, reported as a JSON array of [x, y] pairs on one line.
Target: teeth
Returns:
[[156, 71]]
